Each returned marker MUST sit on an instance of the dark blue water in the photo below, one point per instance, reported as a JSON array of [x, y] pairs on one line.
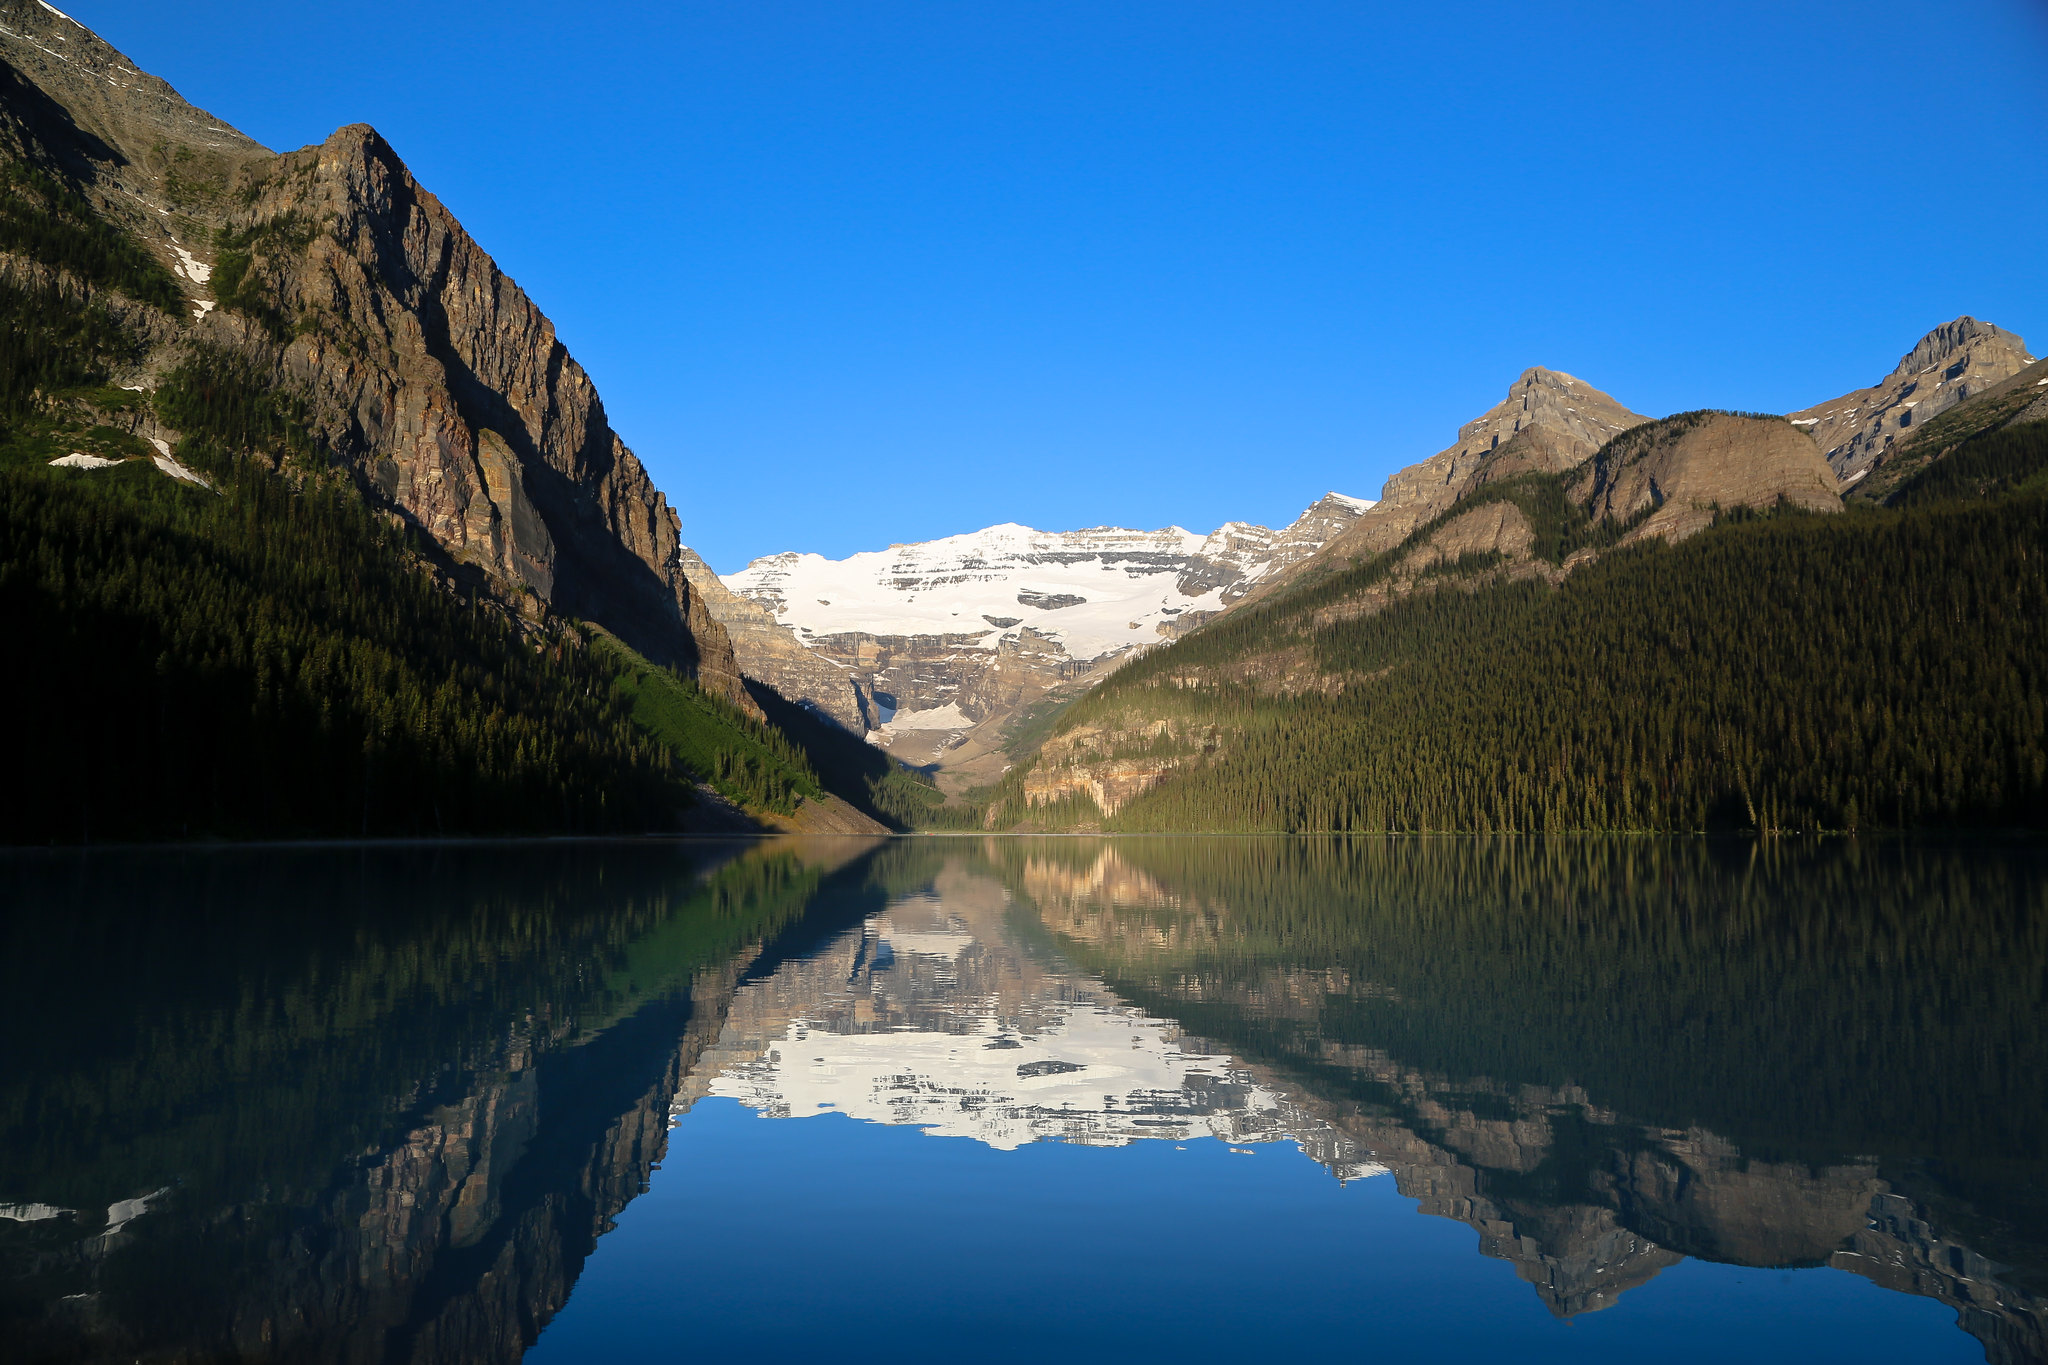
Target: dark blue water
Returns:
[[1028, 1099]]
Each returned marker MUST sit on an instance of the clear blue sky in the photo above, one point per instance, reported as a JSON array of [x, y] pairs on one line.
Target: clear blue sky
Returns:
[[866, 271]]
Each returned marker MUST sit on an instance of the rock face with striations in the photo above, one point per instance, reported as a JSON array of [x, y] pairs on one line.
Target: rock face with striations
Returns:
[[423, 368], [1858, 431], [768, 653], [1670, 477]]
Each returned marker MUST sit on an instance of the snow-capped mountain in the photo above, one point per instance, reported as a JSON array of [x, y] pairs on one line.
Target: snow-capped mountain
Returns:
[[1095, 592], [946, 634]]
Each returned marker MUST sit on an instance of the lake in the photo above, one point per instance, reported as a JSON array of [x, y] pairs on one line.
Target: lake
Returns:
[[1020, 1099]]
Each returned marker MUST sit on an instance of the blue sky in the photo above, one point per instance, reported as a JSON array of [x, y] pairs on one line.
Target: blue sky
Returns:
[[862, 272]]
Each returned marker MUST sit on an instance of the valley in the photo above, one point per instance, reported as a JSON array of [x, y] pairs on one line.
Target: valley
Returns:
[[1573, 616]]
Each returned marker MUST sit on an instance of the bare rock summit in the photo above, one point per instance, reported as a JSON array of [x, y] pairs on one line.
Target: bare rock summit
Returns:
[[1549, 422], [1861, 430]]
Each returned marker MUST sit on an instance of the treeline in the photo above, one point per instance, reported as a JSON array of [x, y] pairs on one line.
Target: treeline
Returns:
[[264, 661], [48, 221], [1879, 669], [744, 760], [851, 768]]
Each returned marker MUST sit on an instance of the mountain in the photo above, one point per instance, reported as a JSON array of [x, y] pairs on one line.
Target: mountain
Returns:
[[1549, 422], [421, 368], [1676, 630], [1859, 431], [934, 648], [312, 525]]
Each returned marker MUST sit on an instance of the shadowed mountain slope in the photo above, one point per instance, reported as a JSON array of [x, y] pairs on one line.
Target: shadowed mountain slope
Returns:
[[329, 274]]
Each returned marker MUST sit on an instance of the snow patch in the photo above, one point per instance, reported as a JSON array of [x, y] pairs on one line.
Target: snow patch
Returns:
[[1804, 421], [30, 1213], [178, 471], [191, 267], [203, 307], [128, 1210], [58, 12], [947, 717], [80, 460], [1357, 504]]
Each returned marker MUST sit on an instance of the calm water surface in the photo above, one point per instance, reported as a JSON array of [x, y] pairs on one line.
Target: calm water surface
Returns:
[[1027, 1099]]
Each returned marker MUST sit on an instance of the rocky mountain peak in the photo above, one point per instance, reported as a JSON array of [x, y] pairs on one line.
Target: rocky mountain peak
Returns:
[[422, 368], [1549, 422], [1951, 338], [129, 111], [1859, 431]]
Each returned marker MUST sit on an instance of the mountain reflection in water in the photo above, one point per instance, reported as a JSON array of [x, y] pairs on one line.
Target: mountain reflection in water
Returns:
[[383, 1105]]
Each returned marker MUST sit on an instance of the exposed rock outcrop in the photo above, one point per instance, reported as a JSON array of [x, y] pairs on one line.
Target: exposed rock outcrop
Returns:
[[1671, 477], [1549, 422], [1111, 764], [1859, 431], [769, 653], [424, 370]]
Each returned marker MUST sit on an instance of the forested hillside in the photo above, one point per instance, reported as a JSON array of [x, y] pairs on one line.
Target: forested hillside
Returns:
[[1781, 670], [309, 525], [257, 654]]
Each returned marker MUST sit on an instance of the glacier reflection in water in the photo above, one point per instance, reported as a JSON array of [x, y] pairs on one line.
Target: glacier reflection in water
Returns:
[[931, 1015]]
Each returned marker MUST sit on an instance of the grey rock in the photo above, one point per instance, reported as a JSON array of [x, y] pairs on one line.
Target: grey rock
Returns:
[[1861, 430]]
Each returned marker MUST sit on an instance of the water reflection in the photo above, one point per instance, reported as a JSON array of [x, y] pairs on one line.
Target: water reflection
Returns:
[[934, 1014], [356, 1106]]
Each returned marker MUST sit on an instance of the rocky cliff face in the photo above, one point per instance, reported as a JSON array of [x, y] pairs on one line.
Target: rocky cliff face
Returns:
[[425, 371], [1670, 477], [1860, 431], [767, 652]]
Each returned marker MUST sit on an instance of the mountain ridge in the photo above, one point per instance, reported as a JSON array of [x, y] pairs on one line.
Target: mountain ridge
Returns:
[[1310, 710], [424, 369]]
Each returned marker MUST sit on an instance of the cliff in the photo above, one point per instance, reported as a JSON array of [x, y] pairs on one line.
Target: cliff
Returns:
[[769, 653], [1668, 479], [331, 277], [1862, 430]]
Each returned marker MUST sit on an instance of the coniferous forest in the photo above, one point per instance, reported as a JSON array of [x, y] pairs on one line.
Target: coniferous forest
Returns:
[[260, 655], [1781, 671]]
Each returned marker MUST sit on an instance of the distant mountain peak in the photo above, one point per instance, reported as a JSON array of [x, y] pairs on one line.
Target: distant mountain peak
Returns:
[[1950, 338]]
